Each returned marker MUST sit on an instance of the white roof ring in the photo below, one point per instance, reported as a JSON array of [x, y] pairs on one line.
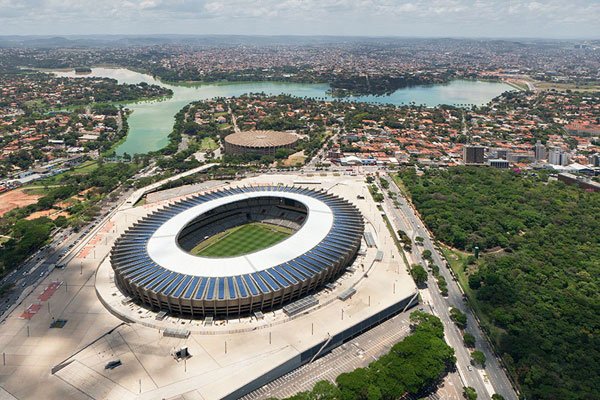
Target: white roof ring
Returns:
[[163, 249]]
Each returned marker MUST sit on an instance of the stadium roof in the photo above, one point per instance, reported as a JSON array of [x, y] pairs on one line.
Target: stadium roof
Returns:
[[163, 248], [148, 262], [261, 138]]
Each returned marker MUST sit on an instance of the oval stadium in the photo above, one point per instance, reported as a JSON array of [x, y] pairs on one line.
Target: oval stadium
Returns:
[[258, 142], [236, 251]]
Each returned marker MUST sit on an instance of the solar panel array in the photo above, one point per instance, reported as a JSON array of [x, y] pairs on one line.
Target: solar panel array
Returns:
[[157, 287]]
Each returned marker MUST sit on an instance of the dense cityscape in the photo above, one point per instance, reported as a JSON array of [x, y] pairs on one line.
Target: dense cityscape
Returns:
[[299, 217]]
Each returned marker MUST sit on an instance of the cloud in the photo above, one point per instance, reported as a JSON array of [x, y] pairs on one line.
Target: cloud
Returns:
[[360, 17]]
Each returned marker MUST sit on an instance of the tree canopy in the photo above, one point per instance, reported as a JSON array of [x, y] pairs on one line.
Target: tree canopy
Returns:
[[537, 281], [419, 274]]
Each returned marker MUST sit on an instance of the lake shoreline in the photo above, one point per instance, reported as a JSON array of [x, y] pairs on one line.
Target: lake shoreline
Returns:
[[151, 122]]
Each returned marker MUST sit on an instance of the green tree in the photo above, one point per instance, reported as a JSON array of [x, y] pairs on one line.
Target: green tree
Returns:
[[354, 385], [459, 318], [442, 284], [427, 254], [324, 390], [478, 358], [469, 393], [474, 281], [419, 274], [468, 340], [384, 183]]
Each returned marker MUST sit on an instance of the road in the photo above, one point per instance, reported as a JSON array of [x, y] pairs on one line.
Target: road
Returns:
[[65, 244], [406, 218]]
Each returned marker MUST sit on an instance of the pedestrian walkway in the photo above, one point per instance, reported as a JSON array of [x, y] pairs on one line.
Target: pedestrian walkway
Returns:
[[92, 383]]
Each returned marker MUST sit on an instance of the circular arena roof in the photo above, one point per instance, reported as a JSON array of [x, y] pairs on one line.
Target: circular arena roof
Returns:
[[152, 268], [259, 139]]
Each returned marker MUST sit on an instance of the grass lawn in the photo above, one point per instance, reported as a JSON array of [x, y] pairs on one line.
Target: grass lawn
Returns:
[[456, 259], [241, 240], [542, 85], [83, 169], [400, 184], [140, 202], [86, 167], [208, 143], [295, 159], [37, 104], [37, 190]]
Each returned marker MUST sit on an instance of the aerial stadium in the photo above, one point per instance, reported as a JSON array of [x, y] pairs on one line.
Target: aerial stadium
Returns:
[[259, 142], [237, 251]]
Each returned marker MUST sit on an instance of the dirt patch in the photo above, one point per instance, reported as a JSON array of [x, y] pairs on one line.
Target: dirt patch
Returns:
[[65, 204], [295, 159], [15, 199], [52, 214]]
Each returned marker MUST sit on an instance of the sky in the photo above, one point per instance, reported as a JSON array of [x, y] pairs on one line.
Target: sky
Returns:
[[410, 18]]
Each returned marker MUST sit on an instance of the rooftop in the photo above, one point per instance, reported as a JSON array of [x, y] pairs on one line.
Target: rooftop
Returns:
[[261, 138], [163, 248]]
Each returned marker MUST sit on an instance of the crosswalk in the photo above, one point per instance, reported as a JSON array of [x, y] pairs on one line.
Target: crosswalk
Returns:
[[357, 353]]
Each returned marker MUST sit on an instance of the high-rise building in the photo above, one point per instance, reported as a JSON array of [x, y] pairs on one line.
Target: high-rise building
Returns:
[[595, 160], [557, 156], [554, 156], [540, 151], [473, 154]]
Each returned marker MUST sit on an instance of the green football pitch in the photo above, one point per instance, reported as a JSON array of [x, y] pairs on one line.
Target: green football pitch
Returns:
[[241, 240]]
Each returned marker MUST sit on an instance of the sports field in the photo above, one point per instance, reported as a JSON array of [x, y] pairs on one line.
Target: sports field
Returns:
[[241, 240]]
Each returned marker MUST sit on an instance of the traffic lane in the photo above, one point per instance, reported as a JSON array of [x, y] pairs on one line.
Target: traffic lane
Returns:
[[500, 382], [454, 338], [441, 305], [454, 335], [37, 266], [440, 308]]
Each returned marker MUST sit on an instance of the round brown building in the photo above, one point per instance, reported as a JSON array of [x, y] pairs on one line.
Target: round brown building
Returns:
[[259, 142]]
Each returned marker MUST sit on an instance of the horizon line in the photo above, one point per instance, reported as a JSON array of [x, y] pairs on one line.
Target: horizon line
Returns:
[[250, 35]]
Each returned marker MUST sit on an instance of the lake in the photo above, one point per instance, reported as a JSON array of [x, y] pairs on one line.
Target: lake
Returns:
[[152, 121]]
